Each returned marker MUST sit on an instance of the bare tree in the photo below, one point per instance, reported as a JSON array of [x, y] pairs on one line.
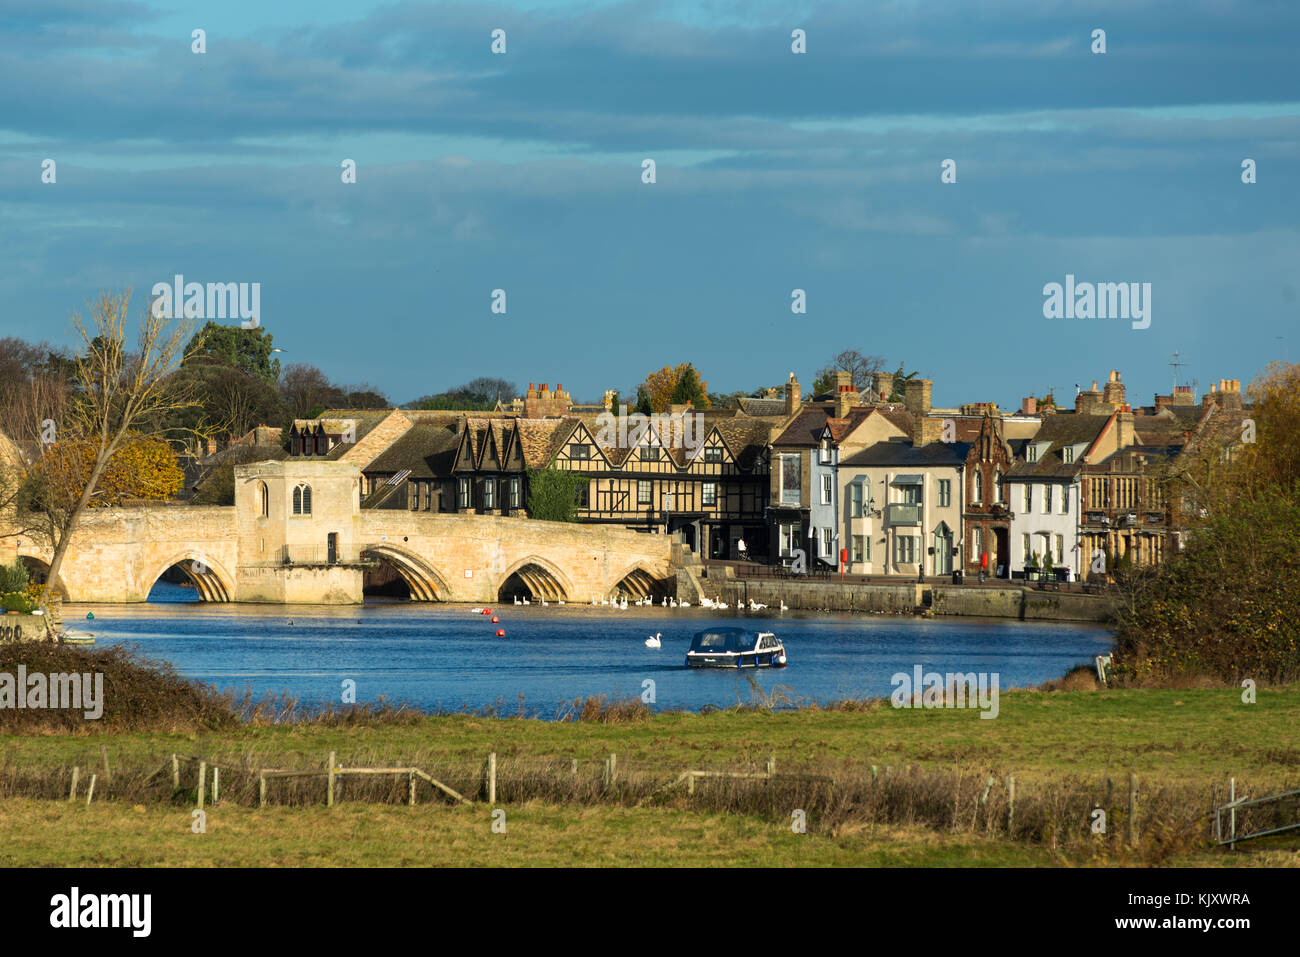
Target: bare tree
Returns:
[[116, 393], [860, 367]]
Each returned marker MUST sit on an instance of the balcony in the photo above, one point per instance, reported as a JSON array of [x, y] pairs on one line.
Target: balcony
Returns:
[[903, 514]]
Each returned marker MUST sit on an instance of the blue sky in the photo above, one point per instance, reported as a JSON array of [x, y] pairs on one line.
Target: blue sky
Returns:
[[775, 171]]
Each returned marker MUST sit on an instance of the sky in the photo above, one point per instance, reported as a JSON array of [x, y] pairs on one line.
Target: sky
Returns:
[[774, 171]]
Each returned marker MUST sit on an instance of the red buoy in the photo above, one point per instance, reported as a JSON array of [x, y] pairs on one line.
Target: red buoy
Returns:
[[487, 611], [501, 632], [495, 619]]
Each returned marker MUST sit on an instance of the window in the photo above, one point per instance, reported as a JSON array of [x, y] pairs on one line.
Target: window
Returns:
[[709, 495], [791, 538], [1026, 546], [713, 455], [855, 550], [1065, 499], [427, 489], [824, 454], [856, 504], [826, 489], [1031, 453], [583, 499], [462, 496], [644, 492], [322, 443], [1029, 498], [904, 549], [828, 540], [976, 543], [650, 453], [978, 496], [999, 487], [945, 492], [1060, 549], [302, 499], [911, 495], [514, 491], [263, 499], [1047, 499], [412, 496], [791, 488], [1067, 454], [580, 452], [490, 493]]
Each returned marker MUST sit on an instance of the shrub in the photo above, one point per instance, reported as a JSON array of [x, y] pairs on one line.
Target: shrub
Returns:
[[13, 578]]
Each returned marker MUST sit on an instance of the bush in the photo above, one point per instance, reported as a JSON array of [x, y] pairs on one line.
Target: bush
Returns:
[[552, 494], [1227, 607], [17, 601], [13, 578]]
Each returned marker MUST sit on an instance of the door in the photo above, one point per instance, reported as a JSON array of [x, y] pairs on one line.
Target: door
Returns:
[[333, 547], [943, 551]]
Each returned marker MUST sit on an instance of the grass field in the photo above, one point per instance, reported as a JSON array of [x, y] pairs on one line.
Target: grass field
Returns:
[[1061, 746]]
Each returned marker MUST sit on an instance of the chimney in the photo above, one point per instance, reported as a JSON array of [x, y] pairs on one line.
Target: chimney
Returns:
[[793, 398], [212, 445], [1114, 394], [1029, 405], [846, 394], [1183, 395], [916, 396], [1164, 402], [1230, 394], [1088, 401], [608, 401], [931, 430], [882, 383], [1124, 422]]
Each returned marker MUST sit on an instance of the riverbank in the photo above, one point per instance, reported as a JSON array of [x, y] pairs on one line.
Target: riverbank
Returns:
[[895, 598], [929, 800]]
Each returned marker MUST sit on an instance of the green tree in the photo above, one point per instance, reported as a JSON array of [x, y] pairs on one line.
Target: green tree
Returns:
[[690, 389], [553, 494], [248, 350]]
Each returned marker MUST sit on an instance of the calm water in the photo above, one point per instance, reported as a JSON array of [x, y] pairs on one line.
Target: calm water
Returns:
[[443, 656]]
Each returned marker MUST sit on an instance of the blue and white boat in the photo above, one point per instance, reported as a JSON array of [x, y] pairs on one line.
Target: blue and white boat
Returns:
[[735, 648]]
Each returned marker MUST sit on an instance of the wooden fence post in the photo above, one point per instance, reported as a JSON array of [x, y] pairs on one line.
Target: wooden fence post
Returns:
[[611, 771], [771, 766], [1011, 803], [492, 778], [329, 787], [76, 773], [261, 790], [90, 793], [103, 754], [573, 767], [1133, 810], [216, 784], [176, 772], [410, 786], [203, 781], [1232, 814]]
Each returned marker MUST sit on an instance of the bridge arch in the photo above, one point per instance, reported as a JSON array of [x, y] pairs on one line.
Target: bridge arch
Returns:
[[537, 577], [636, 581], [422, 579], [38, 569], [211, 581]]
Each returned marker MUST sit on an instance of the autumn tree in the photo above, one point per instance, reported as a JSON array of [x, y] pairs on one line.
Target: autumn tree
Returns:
[[143, 468], [117, 393], [661, 387]]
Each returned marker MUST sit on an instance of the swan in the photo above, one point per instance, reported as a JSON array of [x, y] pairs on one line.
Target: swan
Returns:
[[784, 606], [686, 604], [706, 602], [653, 640], [665, 601], [723, 605], [517, 601], [560, 601], [476, 611], [544, 604], [527, 602], [623, 603], [672, 603]]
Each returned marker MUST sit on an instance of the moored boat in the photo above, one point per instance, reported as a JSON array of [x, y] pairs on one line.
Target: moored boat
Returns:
[[735, 648]]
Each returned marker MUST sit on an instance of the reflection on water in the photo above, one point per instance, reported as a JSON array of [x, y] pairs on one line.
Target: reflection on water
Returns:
[[443, 656]]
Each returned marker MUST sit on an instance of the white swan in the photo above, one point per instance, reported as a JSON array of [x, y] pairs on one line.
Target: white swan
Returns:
[[517, 601], [544, 604], [706, 602], [665, 601], [686, 604], [784, 606], [476, 611], [672, 603], [653, 640], [623, 603]]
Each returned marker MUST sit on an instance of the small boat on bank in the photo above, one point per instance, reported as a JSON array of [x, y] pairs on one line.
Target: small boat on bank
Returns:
[[735, 648], [77, 638]]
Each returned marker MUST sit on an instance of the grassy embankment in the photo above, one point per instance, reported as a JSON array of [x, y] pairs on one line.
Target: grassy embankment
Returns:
[[923, 808]]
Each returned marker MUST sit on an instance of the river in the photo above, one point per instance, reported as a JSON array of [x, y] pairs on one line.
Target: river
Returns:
[[444, 657]]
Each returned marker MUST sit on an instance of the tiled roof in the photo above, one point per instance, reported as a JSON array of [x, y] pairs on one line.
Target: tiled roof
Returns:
[[902, 452], [1060, 430], [421, 449], [761, 406]]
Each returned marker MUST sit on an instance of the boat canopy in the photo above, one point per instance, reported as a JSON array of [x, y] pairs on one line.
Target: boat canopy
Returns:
[[725, 639]]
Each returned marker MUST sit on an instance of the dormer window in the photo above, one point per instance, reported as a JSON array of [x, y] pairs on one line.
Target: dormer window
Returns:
[[1067, 454], [824, 456], [1031, 453]]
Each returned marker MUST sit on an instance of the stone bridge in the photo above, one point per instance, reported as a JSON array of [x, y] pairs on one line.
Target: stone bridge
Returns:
[[296, 534]]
